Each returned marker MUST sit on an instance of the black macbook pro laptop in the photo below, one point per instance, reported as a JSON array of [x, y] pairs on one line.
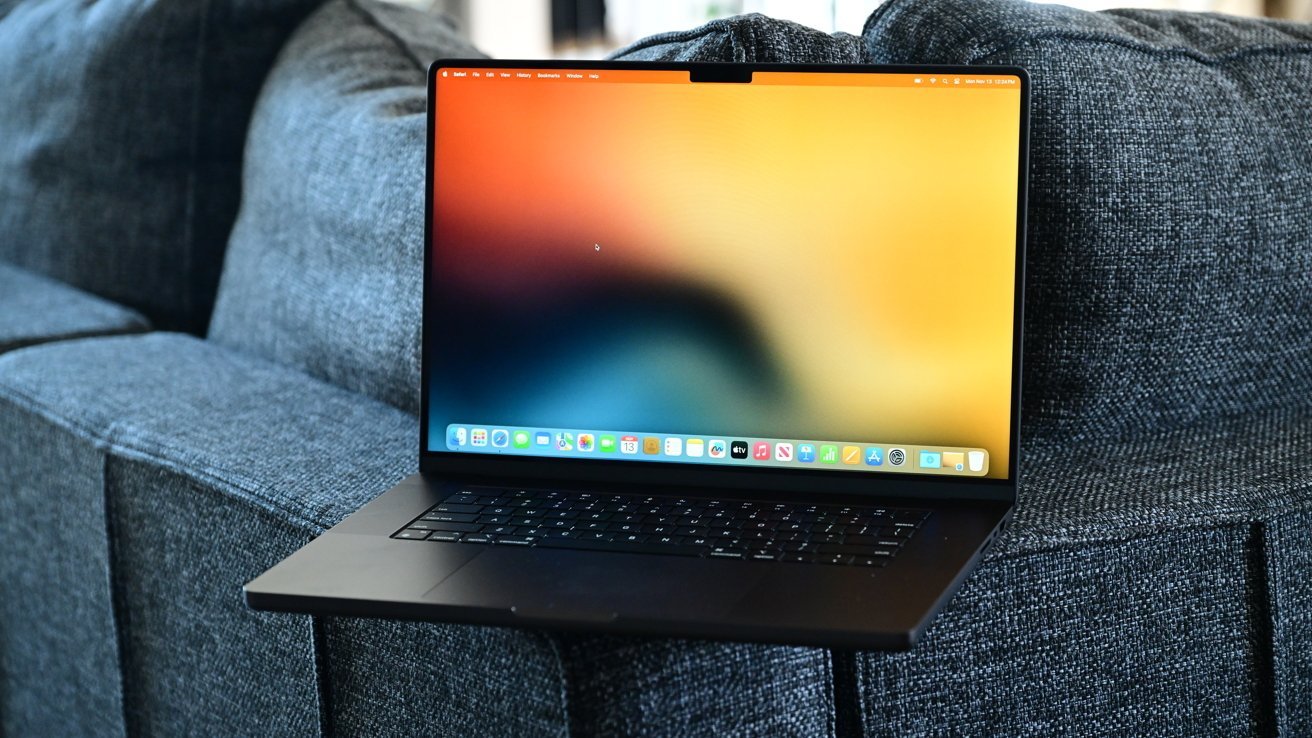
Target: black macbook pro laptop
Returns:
[[709, 350]]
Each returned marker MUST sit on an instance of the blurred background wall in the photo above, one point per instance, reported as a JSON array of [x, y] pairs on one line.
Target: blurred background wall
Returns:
[[589, 29]]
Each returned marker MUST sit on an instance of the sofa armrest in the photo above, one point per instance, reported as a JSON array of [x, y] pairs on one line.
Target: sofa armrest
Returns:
[[145, 479]]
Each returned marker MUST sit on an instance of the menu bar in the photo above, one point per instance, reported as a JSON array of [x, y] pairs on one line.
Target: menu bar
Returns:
[[813, 79]]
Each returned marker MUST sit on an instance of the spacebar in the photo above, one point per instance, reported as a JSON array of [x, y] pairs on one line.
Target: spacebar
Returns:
[[624, 547]]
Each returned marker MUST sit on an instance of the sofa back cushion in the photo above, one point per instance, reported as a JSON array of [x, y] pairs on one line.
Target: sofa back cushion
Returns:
[[749, 38], [1169, 272], [121, 132], [325, 267]]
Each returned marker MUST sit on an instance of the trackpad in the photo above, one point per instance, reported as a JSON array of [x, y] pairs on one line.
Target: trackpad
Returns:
[[589, 586]]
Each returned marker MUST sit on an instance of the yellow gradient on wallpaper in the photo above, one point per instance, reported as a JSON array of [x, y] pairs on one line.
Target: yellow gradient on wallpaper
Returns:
[[869, 229]]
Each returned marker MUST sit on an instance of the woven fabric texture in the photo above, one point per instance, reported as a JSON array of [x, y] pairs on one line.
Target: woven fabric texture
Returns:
[[215, 466], [1288, 552], [665, 687], [120, 142], [192, 652], [1157, 636], [749, 38], [1228, 471], [59, 653], [35, 309], [325, 268], [1169, 274]]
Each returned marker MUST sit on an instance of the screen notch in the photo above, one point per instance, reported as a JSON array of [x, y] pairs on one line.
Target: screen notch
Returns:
[[723, 72]]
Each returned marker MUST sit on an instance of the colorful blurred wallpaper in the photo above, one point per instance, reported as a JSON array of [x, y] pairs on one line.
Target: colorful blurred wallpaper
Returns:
[[805, 256]]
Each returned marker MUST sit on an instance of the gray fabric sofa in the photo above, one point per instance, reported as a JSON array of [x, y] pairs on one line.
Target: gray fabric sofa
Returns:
[[1155, 581]]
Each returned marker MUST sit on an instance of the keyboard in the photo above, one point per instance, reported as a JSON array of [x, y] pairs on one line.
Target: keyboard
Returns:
[[672, 526]]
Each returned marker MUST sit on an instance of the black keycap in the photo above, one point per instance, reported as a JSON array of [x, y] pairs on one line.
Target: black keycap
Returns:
[[464, 498], [872, 541], [514, 541], [445, 517], [475, 538], [624, 547], [870, 561], [412, 534], [462, 527], [444, 535], [727, 553], [452, 508], [493, 519], [846, 549]]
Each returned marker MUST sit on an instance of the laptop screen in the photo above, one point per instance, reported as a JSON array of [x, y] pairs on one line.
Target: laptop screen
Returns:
[[809, 271]]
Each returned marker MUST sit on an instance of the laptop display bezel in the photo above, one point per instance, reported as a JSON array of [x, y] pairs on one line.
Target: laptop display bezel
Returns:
[[531, 469]]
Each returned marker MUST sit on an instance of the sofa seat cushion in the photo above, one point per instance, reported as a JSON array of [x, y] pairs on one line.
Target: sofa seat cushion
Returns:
[[209, 467], [36, 309], [1169, 274], [120, 142], [325, 268]]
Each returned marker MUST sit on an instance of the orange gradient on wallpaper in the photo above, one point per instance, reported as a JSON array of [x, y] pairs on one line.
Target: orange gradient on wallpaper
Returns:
[[868, 227]]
